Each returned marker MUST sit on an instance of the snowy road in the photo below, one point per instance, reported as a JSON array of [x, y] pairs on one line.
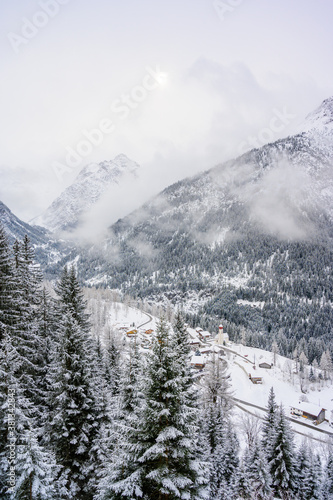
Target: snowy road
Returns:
[[146, 322]]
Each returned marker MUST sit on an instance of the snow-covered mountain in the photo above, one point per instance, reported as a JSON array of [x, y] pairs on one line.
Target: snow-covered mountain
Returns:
[[91, 183], [283, 189]]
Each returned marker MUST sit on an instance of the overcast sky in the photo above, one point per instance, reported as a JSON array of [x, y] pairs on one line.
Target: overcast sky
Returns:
[[176, 85]]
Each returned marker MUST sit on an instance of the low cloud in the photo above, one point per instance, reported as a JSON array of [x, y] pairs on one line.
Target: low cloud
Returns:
[[279, 201], [280, 198], [143, 247], [117, 202]]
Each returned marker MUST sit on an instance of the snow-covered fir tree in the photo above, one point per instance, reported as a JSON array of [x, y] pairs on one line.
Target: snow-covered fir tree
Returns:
[[282, 461], [308, 485], [26, 333], [21, 351], [71, 299], [222, 443], [48, 340], [269, 426], [103, 418], [327, 490], [120, 478], [258, 474], [73, 428], [242, 477], [316, 478], [7, 284], [35, 467], [111, 361]]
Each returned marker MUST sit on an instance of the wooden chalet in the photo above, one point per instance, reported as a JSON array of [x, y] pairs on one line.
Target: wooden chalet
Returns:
[[198, 362], [310, 411], [255, 379], [203, 335], [195, 344]]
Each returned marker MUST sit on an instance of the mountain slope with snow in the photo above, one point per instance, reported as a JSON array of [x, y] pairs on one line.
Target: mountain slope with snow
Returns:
[[91, 183], [16, 229], [48, 250]]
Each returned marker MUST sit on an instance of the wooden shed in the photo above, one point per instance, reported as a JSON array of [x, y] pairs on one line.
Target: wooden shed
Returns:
[[255, 379], [265, 365]]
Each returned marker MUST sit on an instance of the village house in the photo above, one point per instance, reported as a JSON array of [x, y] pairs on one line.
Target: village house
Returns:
[[195, 344], [255, 379], [131, 333], [309, 411], [212, 349], [251, 371], [198, 362], [203, 335], [265, 365]]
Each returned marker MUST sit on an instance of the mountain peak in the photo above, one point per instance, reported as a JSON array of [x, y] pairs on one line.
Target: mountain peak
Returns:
[[90, 184], [121, 158], [123, 161], [321, 119], [120, 162]]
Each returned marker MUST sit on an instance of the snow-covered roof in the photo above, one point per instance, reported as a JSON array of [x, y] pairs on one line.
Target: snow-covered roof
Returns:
[[205, 334], [192, 333], [211, 349], [310, 408], [198, 360], [208, 348], [217, 348]]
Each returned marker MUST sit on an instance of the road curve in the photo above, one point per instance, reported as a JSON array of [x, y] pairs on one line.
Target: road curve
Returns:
[[146, 322]]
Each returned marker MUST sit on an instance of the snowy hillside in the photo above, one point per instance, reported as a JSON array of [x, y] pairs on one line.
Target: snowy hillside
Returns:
[[49, 251], [91, 183]]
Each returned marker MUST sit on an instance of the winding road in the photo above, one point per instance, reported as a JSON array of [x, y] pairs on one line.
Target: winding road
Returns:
[[146, 322]]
